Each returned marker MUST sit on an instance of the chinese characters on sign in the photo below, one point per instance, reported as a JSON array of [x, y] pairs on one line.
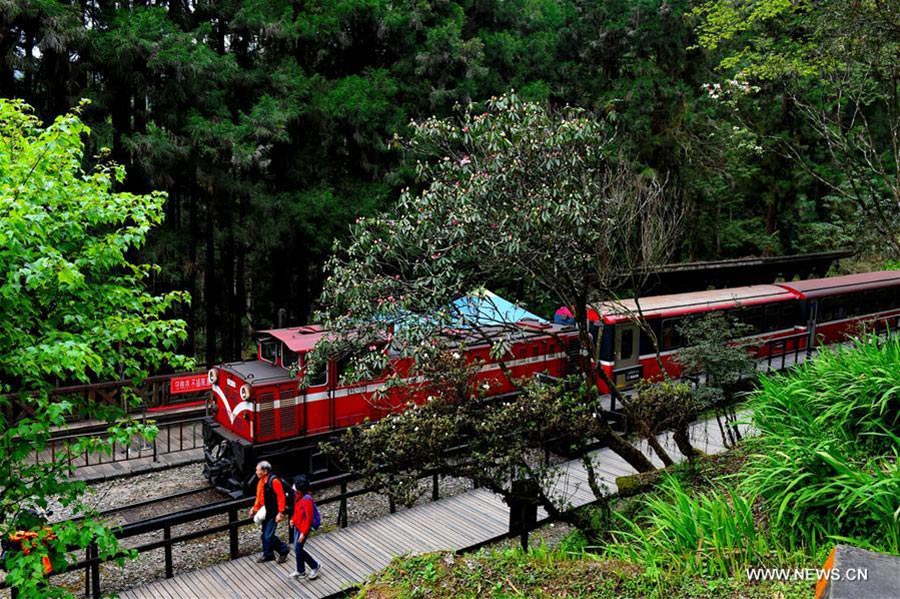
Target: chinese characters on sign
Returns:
[[191, 383]]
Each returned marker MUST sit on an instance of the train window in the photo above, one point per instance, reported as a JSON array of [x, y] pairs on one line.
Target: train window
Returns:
[[669, 337], [318, 377], [626, 349], [840, 308], [268, 350], [753, 317], [880, 300], [787, 315], [342, 367], [826, 310], [770, 318], [288, 357]]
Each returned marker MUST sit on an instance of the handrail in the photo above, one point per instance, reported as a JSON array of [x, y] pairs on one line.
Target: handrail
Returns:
[[231, 507]]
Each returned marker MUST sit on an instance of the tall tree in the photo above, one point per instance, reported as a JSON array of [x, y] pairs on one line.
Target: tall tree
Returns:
[[837, 64], [518, 196], [73, 308]]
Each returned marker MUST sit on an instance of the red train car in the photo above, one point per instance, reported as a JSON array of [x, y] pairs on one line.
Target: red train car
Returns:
[[258, 411], [840, 306], [783, 317], [628, 354]]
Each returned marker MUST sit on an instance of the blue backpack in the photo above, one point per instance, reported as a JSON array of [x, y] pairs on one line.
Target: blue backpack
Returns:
[[316, 518]]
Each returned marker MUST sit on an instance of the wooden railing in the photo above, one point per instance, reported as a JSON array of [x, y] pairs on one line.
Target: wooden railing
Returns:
[[233, 509], [173, 436], [154, 392]]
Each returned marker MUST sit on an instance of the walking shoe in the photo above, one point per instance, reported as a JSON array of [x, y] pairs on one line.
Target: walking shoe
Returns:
[[282, 558], [314, 572], [298, 575], [263, 558]]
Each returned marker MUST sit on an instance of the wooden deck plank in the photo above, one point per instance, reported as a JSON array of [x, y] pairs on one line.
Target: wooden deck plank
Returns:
[[391, 544], [373, 555], [478, 512], [245, 569], [344, 555], [463, 524], [402, 543], [421, 535], [191, 582], [353, 543], [180, 588]]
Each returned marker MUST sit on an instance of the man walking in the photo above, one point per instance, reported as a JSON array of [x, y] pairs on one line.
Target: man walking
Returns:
[[270, 495], [303, 517]]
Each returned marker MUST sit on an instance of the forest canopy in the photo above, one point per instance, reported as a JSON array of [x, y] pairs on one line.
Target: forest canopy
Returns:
[[269, 124]]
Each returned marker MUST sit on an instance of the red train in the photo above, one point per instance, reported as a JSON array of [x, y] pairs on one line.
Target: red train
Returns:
[[258, 411]]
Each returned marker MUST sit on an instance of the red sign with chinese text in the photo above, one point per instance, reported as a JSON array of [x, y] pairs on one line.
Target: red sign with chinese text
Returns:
[[191, 383]]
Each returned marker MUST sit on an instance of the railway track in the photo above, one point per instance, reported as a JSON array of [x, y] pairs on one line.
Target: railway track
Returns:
[[165, 505]]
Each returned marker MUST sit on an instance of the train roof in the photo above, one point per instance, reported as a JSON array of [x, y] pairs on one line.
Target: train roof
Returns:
[[524, 329], [813, 288], [679, 304], [297, 339], [256, 371]]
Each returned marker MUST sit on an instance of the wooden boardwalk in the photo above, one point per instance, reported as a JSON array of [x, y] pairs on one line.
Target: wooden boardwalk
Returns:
[[350, 555]]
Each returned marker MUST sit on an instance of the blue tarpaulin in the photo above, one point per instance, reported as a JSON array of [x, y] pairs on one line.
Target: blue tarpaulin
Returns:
[[485, 308]]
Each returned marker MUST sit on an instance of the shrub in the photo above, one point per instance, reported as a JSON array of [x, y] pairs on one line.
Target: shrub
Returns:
[[712, 533], [825, 461]]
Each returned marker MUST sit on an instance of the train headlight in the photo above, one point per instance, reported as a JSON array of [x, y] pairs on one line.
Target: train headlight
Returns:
[[245, 392], [213, 375]]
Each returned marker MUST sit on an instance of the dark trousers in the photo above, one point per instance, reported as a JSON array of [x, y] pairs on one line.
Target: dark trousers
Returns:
[[270, 541], [301, 554]]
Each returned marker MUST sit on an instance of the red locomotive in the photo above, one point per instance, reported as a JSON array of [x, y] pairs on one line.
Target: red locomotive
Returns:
[[257, 410]]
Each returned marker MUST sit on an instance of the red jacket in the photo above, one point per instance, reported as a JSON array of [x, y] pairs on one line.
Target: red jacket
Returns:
[[261, 495], [303, 514]]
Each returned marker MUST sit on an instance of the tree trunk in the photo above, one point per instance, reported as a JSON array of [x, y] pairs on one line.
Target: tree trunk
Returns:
[[191, 271], [625, 450], [683, 441], [660, 451], [210, 295]]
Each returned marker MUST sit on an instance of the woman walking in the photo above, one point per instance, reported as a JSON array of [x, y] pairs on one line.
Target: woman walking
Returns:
[[304, 515]]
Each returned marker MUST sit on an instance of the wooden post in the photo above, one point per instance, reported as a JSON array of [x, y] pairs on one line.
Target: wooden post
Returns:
[[342, 510], [523, 509], [95, 571], [233, 548], [167, 537], [87, 571], [434, 487]]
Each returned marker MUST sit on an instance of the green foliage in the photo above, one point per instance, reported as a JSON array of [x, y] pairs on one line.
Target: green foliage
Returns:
[[553, 572], [710, 349], [254, 114], [711, 533], [833, 63], [825, 461], [72, 309], [499, 437], [517, 193]]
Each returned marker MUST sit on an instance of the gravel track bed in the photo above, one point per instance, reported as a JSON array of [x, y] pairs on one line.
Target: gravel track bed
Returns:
[[208, 550]]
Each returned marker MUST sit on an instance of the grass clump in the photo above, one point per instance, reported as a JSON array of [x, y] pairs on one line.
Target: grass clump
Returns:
[[712, 533], [825, 461], [549, 573]]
